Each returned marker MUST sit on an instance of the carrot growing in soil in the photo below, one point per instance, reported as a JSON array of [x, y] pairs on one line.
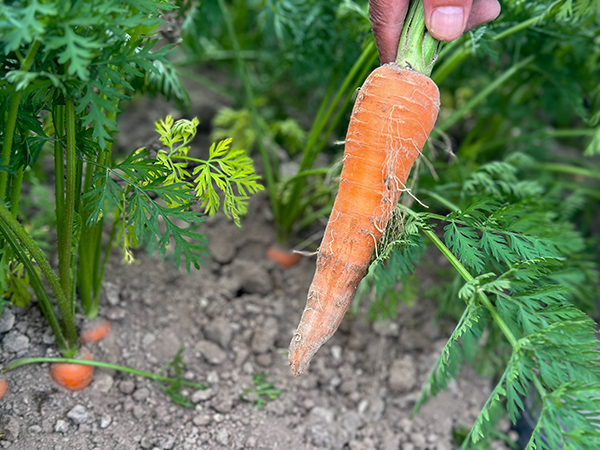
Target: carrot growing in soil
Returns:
[[73, 376], [3, 387], [95, 330], [395, 111]]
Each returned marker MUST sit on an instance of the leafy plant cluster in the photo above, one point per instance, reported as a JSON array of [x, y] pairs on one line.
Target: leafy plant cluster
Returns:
[[67, 67]]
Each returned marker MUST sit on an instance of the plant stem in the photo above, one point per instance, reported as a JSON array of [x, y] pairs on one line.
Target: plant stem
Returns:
[[458, 114], [35, 282], [63, 304], [58, 119], [467, 277], [11, 121], [65, 252], [84, 362], [15, 191], [266, 158], [417, 49], [574, 170]]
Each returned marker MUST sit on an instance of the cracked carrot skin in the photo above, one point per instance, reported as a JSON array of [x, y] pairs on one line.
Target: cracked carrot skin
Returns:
[[392, 118]]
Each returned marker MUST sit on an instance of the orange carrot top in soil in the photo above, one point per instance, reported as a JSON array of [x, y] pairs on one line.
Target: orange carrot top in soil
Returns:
[[395, 111], [73, 376], [3, 386]]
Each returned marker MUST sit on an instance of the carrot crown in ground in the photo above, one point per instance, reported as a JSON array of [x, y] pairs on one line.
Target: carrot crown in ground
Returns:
[[394, 113]]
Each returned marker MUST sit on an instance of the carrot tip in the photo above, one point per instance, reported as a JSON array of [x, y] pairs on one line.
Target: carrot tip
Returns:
[[284, 258], [3, 387]]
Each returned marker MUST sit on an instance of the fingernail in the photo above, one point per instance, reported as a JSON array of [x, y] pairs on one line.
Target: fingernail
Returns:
[[447, 21]]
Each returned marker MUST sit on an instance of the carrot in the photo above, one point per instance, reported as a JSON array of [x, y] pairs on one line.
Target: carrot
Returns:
[[395, 111], [95, 331], [286, 259], [3, 387], [73, 376]]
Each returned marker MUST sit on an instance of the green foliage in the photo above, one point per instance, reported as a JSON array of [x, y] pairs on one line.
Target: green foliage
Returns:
[[177, 366], [263, 390]]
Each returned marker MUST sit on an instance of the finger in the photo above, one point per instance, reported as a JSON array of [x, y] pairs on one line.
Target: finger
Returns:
[[446, 20], [482, 11], [387, 18]]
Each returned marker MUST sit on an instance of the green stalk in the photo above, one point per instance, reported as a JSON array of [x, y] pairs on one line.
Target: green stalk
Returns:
[[58, 119], [38, 256], [417, 49], [84, 362], [573, 170], [65, 250], [462, 53], [266, 158], [35, 282], [11, 121], [459, 114], [15, 191], [467, 277]]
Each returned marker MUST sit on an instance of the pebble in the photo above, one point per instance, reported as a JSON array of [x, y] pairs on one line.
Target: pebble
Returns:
[[212, 377], [403, 374], [78, 414], [111, 293], [223, 436], [220, 331], [102, 382], [418, 439], [7, 321], [139, 411], [264, 359], [211, 352], [202, 395], [386, 328], [253, 278], [116, 314], [263, 338], [61, 426], [201, 420], [141, 394], [336, 352], [35, 429], [15, 342], [105, 421], [127, 386]]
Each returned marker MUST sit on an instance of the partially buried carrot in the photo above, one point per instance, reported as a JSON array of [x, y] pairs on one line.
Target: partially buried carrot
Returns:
[[73, 376], [392, 118], [95, 330], [284, 258], [3, 387]]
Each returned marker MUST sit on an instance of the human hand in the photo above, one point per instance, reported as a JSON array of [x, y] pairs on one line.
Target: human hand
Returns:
[[446, 20]]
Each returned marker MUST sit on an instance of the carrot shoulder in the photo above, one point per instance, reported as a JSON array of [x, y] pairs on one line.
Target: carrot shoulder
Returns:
[[395, 111]]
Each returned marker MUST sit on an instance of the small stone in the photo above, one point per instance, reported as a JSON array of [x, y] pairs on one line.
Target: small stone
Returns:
[[222, 404], [253, 278], [148, 340], [418, 439], [7, 321], [105, 421], [386, 328], [403, 374], [220, 331], [264, 359], [78, 414], [15, 342], [336, 352], [111, 293], [201, 420], [212, 377], [141, 394], [139, 411], [223, 436], [202, 395], [102, 382], [211, 352], [127, 386], [35, 429], [116, 314], [264, 337], [61, 426]]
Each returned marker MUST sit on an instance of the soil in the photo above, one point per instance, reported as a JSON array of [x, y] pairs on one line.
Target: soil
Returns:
[[234, 317]]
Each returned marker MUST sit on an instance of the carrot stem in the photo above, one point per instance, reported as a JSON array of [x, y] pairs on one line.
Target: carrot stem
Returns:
[[34, 250], [38, 360], [417, 49], [11, 121]]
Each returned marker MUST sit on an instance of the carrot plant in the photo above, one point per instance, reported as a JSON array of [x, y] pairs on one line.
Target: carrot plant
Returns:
[[67, 68]]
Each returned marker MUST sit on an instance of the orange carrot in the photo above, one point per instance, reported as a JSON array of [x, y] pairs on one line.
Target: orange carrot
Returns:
[[3, 387], [73, 376], [286, 259], [95, 331], [394, 113]]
